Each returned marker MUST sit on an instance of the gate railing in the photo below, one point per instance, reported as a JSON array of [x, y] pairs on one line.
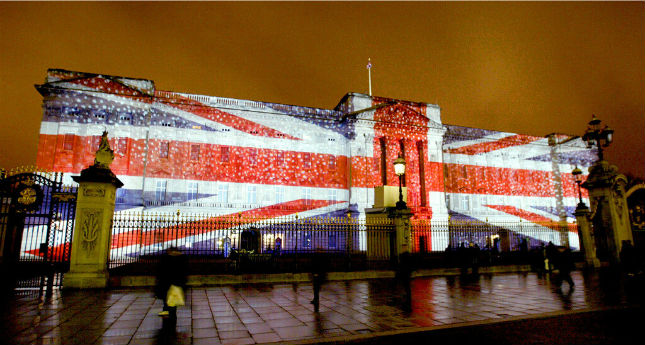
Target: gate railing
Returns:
[[438, 236], [141, 237], [36, 223]]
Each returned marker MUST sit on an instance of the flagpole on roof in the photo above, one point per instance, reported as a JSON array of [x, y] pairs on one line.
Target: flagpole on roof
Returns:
[[369, 74]]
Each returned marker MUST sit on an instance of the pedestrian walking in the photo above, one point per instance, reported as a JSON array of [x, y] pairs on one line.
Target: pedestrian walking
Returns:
[[628, 258], [565, 265], [538, 259], [319, 275], [404, 276], [171, 282], [551, 253], [474, 252]]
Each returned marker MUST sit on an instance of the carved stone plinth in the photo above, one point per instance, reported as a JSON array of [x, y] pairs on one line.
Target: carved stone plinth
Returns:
[[609, 213], [585, 236]]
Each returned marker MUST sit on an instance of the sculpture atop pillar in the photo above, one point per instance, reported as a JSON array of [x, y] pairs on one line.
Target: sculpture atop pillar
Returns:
[[104, 155]]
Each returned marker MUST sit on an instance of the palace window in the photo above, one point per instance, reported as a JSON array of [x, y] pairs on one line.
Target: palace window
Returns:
[[465, 202], [306, 195], [68, 144], [160, 191], [252, 194], [222, 193], [253, 156], [332, 163], [193, 190], [332, 196], [279, 194], [194, 152], [279, 159], [164, 149], [224, 154]]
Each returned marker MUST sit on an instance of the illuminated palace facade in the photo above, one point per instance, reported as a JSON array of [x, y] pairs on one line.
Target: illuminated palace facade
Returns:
[[219, 156]]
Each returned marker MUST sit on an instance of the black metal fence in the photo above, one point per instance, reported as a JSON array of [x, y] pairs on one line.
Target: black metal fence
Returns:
[[36, 222], [235, 243]]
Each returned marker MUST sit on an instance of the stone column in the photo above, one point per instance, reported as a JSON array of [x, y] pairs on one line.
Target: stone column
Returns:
[[585, 236], [609, 209], [93, 224]]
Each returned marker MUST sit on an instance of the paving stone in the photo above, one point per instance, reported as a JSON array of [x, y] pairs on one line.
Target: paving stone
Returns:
[[266, 337], [259, 313]]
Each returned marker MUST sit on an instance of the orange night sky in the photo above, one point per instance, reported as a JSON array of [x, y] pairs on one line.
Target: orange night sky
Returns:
[[529, 68]]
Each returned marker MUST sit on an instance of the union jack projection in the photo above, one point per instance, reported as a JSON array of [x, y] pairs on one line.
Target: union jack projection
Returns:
[[203, 154]]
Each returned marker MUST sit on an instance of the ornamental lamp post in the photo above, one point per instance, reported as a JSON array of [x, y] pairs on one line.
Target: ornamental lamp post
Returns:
[[577, 175], [597, 136], [399, 170]]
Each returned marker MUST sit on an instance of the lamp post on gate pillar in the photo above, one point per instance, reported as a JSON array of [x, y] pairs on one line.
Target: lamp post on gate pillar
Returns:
[[399, 170], [585, 236], [606, 186], [401, 215], [577, 175]]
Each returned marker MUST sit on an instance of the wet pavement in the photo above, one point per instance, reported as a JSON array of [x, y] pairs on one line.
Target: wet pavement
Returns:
[[264, 313]]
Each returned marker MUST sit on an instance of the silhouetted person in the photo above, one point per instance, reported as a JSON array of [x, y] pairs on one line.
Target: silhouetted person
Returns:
[[319, 275], [565, 265], [462, 258], [173, 268], [628, 258], [551, 256], [524, 250], [537, 260], [473, 254], [449, 255], [404, 275]]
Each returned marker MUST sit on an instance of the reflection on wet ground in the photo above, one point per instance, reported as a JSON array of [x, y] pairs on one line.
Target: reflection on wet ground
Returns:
[[263, 313]]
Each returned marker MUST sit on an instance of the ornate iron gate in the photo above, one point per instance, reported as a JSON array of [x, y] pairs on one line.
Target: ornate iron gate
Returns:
[[36, 223]]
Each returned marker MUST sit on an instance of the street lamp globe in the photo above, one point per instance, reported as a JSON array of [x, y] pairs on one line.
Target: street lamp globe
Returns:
[[399, 170], [399, 166], [597, 136]]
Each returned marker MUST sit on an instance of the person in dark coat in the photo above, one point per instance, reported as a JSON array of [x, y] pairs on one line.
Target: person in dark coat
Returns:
[[473, 254], [551, 256], [404, 276], [173, 268], [629, 258], [565, 265], [319, 275]]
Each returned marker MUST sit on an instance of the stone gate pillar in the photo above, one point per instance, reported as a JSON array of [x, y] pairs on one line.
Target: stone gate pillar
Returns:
[[585, 236], [403, 231], [93, 224], [609, 212]]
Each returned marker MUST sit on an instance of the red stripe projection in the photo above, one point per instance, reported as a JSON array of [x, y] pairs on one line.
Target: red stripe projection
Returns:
[[513, 140], [475, 179], [207, 225], [213, 114], [290, 168], [243, 165]]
